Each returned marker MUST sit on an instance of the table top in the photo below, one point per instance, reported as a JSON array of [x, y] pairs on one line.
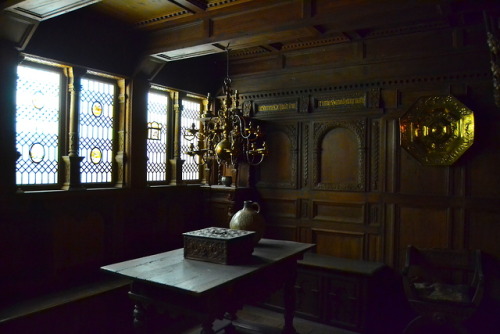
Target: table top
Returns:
[[172, 271]]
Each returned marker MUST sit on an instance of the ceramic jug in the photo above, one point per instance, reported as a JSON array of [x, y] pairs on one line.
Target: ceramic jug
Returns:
[[249, 219]]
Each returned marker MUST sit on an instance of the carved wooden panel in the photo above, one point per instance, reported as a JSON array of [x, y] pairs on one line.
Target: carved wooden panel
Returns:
[[374, 217], [279, 169], [374, 252], [305, 155], [483, 176], [339, 155], [481, 230], [284, 232], [340, 244], [416, 178], [352, 213], [280, 208], [375, 156], [424, 227]]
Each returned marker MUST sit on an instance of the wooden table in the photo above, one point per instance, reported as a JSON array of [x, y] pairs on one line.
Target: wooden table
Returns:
[[167, 282]]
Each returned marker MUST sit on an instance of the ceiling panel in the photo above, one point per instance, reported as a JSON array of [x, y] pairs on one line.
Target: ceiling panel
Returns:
[[141, 13], [177, 29], [45, 9]]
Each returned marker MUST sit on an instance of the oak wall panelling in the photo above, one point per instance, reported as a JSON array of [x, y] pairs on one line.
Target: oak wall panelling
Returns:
[[342, 244], [64, 237], [352, 213], [429, 227], [280, 170], [361, 195], [339, 155]]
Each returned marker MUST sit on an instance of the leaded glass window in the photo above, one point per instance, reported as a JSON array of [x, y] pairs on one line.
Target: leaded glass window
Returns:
[[96, 130], [158, 103], [38, 103], [190, 114]]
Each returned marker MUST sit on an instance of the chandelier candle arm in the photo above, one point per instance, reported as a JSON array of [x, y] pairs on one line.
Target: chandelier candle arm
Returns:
[[226, 136]]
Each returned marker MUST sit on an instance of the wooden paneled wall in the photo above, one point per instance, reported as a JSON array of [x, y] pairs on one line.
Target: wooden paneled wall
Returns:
[[337, 175], [58, 239]]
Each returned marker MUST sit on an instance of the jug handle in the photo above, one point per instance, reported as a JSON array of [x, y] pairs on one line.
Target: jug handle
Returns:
[[257, 205]]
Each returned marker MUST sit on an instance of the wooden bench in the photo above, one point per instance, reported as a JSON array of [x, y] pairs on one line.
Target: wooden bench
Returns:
[[66, 309], [344, 293]]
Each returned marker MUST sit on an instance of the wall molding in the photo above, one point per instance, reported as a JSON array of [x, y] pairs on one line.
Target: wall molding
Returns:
[[380, 84]]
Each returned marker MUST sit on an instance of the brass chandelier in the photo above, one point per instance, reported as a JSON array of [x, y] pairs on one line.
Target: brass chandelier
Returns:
[[226, 136]]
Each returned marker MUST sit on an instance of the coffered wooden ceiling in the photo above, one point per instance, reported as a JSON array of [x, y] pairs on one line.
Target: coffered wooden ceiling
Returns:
[[178, 29]]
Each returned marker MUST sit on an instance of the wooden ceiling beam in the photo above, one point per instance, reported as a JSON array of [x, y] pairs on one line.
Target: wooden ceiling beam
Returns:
[[284, 18], [194, 6]]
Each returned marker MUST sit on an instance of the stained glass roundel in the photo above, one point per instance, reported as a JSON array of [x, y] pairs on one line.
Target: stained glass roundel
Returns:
[[37, 152], [95, 155], [97, 108], [38, 100]]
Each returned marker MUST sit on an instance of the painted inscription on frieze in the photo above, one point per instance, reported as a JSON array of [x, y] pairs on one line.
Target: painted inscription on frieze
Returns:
[[277, 107], [351, 100]]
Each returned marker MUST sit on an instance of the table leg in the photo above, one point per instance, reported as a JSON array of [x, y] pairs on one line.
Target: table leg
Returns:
[[289, 301], [231, 316], [206, 326], [140, 318]]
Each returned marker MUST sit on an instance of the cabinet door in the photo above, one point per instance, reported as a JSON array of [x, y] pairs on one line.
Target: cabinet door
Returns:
[[307, 292], [308, 287], [343, 302]]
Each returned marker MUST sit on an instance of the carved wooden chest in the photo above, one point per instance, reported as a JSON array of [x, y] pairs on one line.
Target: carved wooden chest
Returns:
[[219, 245]]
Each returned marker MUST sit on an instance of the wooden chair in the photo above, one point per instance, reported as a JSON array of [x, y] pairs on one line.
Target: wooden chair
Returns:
[[443, 286]]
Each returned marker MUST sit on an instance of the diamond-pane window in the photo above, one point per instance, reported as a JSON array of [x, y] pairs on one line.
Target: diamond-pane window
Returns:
[[190, 114], [38, 99], [157, 136], [96, 130]]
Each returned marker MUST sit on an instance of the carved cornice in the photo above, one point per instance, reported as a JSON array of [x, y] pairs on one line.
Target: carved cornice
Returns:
[[371, 87], [316, 43], [163, 18], [339, 38], [409, 29]]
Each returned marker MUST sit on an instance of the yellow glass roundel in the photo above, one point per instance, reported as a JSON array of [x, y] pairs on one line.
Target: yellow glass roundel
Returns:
[[97, 108], [95, 155], [38, 100], [37, 152]]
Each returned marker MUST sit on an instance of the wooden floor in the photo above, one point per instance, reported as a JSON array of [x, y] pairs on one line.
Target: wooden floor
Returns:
[[253, 320]]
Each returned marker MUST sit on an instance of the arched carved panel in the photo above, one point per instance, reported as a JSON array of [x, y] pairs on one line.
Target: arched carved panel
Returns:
[[279, 169], [339, 156]]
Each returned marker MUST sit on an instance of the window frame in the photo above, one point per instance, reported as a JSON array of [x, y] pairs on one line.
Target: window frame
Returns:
[[169, 133], [67, 84], [62, 142], [69, 170], [97, 76], [197, 99]]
